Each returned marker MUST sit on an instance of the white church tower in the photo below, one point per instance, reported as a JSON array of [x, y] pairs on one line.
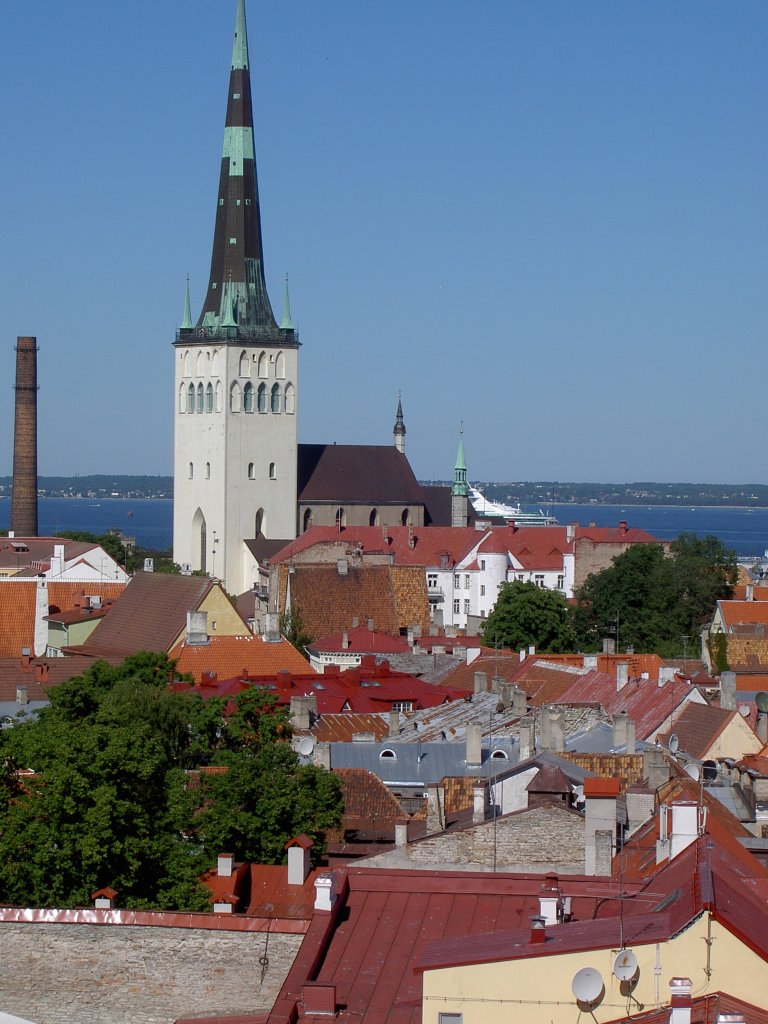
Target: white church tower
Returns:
[[236, 377]]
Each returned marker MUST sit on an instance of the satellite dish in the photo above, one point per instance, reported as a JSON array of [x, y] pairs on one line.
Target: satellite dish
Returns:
[[625, 965], [674, 743], [744, 710], [578, 794], [587, 986], [761, 699], [306, 746], [709, 769], [694, 771]]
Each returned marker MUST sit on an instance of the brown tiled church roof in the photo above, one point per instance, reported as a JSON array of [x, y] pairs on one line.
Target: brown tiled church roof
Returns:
[[372, 474]]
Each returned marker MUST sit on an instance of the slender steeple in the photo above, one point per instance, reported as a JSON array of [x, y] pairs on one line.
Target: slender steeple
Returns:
[[286, 323], [399, 428], [186, 324], [460, 490], [236, 304]]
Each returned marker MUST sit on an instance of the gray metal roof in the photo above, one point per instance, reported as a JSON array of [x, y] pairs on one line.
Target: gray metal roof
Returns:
[[420, 764], [12, 712], [449, 721]]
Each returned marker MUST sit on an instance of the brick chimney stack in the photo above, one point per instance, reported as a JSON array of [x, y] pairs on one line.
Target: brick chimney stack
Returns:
[[24, 498]]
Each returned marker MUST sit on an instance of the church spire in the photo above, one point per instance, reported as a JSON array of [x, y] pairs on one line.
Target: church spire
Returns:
[[186, 323], [286, 324], [399, 428], [237, 290], [460, 490]]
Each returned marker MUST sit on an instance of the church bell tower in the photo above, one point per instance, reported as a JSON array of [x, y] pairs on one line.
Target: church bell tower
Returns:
[[236, 376]]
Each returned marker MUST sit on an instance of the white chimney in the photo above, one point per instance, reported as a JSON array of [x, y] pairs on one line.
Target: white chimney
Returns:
[[479, 803], [298, 860], [325, 892], [680, 1000], [225, 863], [474, 743], [685, 826], [401, 834], [622, 675]]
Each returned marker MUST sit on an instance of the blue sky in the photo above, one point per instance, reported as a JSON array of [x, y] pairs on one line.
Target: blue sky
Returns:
[[546, 220]]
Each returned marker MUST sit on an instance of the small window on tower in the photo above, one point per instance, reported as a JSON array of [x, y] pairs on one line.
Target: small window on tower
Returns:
[[251, 474], [272, 471], [233, 241], [221, 202], [247, 202], [235, 95]]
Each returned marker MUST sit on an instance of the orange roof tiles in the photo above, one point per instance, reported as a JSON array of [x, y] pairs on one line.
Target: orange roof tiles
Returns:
[[736, 613], [18, 599], [227, 657]]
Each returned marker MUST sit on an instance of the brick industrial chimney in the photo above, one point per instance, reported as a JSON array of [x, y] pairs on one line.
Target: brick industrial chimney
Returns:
[[24, 498]]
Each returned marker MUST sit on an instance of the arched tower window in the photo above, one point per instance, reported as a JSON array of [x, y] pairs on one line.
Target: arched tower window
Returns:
[[207, 471], [341, 518], [307, 521], [406, 515], [199, 364], [272, 471], [200, 398], [373, 518], [245, 365], [259, 523], [261, 398], [191, 471], [234, 397], [263, 368], [290, 398], [200, 531], [182, 397], [280, 366], [248, 397], [187, 363], [274, 398], [251, 471], [215, 371], [191, 398], [209, 398], [218, 395]]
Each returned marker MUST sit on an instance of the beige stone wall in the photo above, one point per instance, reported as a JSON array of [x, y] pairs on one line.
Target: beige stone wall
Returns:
[[101, 974], [360, 515], [523, 842]]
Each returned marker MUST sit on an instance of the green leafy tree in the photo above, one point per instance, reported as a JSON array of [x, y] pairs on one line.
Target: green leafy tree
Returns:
[[658, 599], [293, 629], [525, 614], [108, 803]]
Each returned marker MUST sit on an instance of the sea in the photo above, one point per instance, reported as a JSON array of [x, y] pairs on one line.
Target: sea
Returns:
[[150, 520]]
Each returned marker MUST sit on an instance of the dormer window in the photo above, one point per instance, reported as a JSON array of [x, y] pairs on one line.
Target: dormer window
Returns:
[[388, 752]]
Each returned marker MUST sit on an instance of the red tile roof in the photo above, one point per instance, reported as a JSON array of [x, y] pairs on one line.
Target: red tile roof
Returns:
[[40, 674], [228, 656], [704, 1010], [331, 728], [426, 545], [646, 703], [736, 613], [361, 639]]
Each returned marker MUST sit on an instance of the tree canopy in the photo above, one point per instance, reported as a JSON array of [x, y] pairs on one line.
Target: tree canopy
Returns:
[[657, 599], [525, 615], [97, 791]]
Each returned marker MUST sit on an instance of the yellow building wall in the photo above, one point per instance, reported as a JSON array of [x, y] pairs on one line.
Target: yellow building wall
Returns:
[[736, 740], [538, 991], [223, 620]]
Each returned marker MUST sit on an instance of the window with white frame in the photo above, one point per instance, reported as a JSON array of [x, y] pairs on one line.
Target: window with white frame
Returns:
[[466, 580], [482, 563], [450, 1018], [456, 606], [538, 579], [466, 606], [431, 581], [456, 580], [560, 582], [482, 590], [402, 705]]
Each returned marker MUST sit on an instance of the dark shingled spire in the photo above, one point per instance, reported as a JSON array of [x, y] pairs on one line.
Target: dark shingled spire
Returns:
[[237, 305]]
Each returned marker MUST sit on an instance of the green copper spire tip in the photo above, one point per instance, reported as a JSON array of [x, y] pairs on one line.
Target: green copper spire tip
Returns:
[[186, 324], [460, 469], [286, 324], [240, 46]]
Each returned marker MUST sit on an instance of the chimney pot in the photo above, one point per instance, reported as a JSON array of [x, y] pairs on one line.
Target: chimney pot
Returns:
[[538, 929]]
